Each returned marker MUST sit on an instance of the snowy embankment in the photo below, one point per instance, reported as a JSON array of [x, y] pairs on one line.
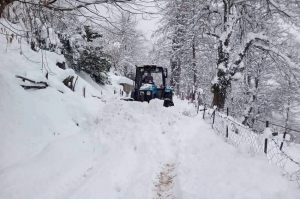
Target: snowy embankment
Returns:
[[62, 145]]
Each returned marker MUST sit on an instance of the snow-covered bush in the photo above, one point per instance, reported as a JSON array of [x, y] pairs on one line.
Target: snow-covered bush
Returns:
[[96, 64], [83, 52]]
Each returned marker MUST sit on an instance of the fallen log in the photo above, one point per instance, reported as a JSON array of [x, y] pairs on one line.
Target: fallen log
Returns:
[[33, 87], [32, 81]]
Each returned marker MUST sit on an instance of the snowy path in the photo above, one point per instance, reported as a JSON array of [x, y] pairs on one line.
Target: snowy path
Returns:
[[210, 168], [138, 150], [165, 181], [204, 166]]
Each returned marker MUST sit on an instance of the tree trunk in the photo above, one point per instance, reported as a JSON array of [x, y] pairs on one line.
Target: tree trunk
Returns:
[[219, 96], [220, 87], [175, 74], [194, 64], [194, 58]]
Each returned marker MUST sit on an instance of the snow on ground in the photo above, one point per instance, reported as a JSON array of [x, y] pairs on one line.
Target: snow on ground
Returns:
[[55, 145], [210, 168], [124, 149]]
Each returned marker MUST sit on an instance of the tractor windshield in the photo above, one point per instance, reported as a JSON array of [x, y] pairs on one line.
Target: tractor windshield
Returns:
[[157, 78], [149, 74]]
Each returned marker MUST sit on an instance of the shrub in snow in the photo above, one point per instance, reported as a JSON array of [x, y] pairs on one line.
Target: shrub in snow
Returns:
[[83, 53], [95, 64]]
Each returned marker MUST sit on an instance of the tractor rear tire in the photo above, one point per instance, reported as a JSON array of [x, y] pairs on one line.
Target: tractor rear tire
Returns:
[[168, 103]]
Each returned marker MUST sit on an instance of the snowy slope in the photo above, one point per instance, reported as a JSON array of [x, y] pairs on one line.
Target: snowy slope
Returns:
[[106, 90], [55, 145], [29, 120]]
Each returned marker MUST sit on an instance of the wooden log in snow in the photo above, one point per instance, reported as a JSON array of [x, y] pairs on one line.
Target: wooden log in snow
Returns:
[[32, 81], [33, 87]]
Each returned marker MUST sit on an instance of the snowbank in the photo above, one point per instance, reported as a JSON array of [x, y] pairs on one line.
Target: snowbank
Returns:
[[30, 120]]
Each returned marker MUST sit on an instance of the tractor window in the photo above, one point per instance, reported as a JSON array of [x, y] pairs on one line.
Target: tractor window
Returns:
[[157, 78]]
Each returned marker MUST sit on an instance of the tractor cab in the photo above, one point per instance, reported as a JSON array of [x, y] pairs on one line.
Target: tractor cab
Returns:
[[150, 83]]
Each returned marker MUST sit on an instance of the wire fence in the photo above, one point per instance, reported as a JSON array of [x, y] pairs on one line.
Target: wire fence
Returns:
[[274, 144]]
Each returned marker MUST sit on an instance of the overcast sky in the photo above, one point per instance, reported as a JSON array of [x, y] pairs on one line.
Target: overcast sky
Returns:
[[148, 26], [146, 23]]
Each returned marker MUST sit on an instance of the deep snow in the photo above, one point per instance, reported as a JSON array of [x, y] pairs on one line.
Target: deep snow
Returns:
[[55, 145], [121, 152]]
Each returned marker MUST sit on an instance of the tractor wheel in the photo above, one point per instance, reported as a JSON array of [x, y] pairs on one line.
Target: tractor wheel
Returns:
[[168, 103]]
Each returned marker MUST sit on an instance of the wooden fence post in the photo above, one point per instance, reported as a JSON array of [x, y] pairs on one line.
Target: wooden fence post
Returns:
[[281, 145], [227, 124], [266, 139], [84, 92], [203, 110], [214, 113]]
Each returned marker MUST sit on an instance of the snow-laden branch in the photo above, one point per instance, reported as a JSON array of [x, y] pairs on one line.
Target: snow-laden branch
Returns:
[[58, 5], [249, 40], [282, 9], [285, 58]]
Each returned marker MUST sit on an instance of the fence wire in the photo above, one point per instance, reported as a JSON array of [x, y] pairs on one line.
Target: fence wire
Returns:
[[290, 167], [236, 134], [241, 136]]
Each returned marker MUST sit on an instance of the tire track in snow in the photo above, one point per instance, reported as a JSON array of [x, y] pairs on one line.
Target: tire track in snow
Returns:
[[164, 185]]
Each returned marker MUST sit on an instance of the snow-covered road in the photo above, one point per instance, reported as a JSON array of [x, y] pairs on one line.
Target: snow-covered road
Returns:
[[126, 152]]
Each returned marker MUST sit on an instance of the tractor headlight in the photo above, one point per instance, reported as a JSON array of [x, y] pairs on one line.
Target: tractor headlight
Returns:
[[148, 93]]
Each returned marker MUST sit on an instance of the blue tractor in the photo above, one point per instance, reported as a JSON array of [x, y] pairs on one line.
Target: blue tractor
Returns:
[[150, 83]]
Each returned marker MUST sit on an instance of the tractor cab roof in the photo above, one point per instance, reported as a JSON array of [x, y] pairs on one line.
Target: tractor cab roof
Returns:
[[150, 68]]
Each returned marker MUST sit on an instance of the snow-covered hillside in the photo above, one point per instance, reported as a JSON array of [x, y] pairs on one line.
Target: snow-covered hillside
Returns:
[[31, 119], [62, 145]]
